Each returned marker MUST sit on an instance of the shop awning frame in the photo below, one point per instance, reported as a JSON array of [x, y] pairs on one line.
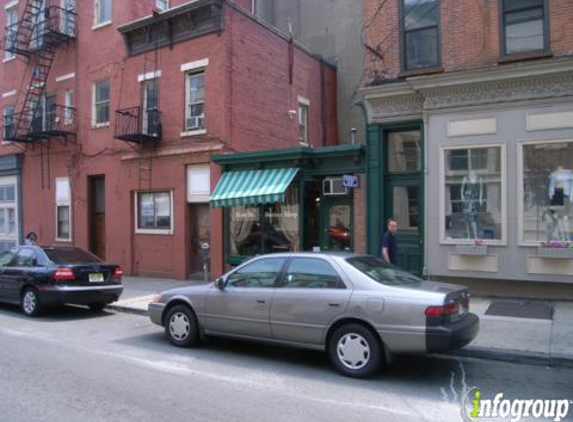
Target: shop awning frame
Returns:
[[249, 187]]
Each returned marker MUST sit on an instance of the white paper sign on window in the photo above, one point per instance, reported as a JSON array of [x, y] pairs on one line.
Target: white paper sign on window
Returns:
[[63, 189], [198, 183]]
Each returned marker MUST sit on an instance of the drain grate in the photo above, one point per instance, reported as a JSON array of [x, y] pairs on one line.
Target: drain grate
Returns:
[[521, 309]]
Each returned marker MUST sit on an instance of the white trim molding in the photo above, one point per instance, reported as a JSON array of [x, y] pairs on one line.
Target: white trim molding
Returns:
[[193, 133], [469, 127], [9, 94], [548, 120], [303, 100], [12, 4], [195, 65], [65, 77], [148, 76]]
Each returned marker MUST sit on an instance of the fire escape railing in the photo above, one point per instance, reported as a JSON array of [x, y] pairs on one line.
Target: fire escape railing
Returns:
[[136, 125]]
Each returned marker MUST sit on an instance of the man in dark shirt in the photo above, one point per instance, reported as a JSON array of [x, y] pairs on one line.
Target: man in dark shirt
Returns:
[[389, 243]]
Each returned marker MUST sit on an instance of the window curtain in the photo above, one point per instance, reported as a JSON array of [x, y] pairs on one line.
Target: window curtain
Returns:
[[288, 218], [242, 220]]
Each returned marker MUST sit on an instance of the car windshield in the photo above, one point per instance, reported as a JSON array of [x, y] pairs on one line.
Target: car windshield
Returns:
[[70, 255], [381, 271]]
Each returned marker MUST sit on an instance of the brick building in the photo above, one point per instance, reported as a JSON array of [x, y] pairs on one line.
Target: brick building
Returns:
[[113, 109], [470, 137]]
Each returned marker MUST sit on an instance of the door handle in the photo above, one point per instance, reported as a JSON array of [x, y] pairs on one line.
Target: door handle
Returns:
[[334, 304], [261, 301]]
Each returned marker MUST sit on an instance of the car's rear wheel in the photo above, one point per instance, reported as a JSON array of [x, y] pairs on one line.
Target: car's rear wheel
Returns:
[[355, 351], [30, 303], [97, 306], [181, 326]]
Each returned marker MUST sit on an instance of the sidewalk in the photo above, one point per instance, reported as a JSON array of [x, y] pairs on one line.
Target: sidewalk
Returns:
[[528, 340]]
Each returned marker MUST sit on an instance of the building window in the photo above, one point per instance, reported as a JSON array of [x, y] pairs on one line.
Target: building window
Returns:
[[69, 107], [102, 12], [524, 26], [154, 211], [8, 123], [473, 199], [546, 192], [63, 209], [198, 183], [162, 4], [303, 122], [101, 103], [265, 228], [420, 34], [195, 101], [11, 30]]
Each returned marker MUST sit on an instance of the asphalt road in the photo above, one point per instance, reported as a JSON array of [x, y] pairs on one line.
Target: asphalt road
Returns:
[[74, 366]]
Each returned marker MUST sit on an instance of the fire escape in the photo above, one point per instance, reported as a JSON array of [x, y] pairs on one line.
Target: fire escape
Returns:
[[36, 37]]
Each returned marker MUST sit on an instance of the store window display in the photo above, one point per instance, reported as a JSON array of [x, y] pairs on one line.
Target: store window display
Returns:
[[547, 192], [472, 194]]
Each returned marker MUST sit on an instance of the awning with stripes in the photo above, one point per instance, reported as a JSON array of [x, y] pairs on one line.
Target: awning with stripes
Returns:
[[252, 187]]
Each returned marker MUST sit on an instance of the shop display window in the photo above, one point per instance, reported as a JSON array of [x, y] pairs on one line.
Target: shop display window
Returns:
[[546, 197], [472, 194]]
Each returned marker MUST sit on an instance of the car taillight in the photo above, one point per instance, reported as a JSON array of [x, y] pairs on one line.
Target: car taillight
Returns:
[[450, 309], [64, 274], [118, 273]]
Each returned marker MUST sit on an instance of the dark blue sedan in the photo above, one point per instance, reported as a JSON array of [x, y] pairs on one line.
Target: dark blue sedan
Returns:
[[36, 277]]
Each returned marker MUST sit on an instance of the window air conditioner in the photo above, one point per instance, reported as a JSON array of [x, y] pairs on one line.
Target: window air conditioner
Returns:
[[333, 186]]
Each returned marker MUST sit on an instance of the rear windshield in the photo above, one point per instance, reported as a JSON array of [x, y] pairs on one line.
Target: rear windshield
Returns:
[[381, 271], [70, 255]]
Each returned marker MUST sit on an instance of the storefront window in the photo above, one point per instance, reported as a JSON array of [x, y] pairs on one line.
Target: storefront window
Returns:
[[473, 193], [265, 228], [547, 199]]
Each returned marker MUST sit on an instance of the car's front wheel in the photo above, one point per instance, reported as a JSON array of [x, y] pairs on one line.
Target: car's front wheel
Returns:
[[30, 303], [181, 326], [355, 351]]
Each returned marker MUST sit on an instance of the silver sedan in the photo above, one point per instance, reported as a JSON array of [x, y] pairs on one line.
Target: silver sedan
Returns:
[[357, 308]]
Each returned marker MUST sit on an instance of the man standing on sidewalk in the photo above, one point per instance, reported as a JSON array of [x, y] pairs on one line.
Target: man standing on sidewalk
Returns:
[[389, 243]]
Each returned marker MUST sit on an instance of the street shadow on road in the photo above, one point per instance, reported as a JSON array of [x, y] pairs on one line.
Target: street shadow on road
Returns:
[[62, 313]]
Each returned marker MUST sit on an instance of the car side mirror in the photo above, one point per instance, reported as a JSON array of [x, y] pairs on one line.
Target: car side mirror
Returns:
[[221, 283]]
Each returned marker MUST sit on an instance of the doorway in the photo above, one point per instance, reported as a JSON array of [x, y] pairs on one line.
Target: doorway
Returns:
[[403, 195], [200, 215], [97, 215], [336, 223]]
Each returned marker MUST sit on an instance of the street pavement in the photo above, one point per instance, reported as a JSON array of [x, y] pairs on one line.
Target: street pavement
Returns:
[[72, 365], [539, 341]]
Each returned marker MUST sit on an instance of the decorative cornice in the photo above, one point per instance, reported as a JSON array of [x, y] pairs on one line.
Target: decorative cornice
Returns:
[[398, 101]]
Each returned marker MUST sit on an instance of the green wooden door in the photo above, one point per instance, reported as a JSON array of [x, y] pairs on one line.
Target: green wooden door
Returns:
[[336, 223], [403, 194]]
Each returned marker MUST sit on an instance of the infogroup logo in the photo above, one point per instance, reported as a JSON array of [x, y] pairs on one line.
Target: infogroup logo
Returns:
[[475, 407]]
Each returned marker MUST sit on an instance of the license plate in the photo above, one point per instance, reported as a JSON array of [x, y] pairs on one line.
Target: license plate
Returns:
[[96, 277]]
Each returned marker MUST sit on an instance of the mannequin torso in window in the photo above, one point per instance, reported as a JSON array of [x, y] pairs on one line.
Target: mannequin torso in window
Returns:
[[472, 196]]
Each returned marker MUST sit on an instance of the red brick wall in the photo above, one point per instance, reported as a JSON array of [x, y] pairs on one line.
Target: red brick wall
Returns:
[[247, 101], [360, 215], [469, 35]]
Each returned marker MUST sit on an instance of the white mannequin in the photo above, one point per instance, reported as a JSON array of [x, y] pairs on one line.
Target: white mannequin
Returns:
[[471, 194]]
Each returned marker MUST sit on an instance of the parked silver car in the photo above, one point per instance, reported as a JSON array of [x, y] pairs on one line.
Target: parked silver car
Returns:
[[357, 308]]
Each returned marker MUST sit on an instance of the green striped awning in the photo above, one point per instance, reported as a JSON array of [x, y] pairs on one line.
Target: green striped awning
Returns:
[[252, 187]]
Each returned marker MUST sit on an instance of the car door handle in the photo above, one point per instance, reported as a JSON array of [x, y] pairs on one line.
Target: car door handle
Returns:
[[261, 301], [334, 304]]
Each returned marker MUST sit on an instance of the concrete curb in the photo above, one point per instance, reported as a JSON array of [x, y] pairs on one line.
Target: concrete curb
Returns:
[[128, 310], [513, 356]]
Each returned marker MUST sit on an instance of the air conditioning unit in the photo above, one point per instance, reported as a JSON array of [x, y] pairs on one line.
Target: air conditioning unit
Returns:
[[333, 186], [194, 122]]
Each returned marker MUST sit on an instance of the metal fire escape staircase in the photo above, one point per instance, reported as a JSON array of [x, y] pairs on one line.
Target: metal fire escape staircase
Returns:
[[36, 37]]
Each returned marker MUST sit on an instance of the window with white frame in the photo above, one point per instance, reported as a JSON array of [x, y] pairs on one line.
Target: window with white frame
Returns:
[[8, 214], [63, 208], [303, 122], [8, 122], [154, 211], [101, 103], [198, 183], [546, 192], [162, 4], [195, 101], [472, 187], [102, 12], [11, 28], [69, 107]]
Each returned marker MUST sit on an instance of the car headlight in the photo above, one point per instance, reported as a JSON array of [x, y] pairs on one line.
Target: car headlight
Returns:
[[157, 298]]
